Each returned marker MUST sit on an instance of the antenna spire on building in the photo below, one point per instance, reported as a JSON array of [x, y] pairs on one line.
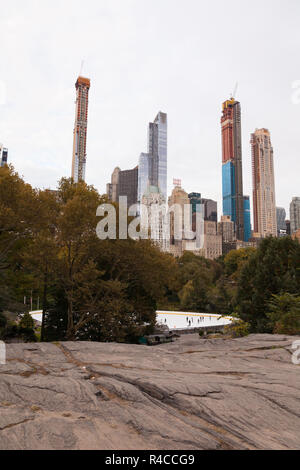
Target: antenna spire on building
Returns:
[[81, 68], [233, 95]]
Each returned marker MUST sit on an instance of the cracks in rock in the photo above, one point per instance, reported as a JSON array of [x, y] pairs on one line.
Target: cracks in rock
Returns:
[[36, 368], [167, 403], [203, 395], [162, 400], [9, 426]]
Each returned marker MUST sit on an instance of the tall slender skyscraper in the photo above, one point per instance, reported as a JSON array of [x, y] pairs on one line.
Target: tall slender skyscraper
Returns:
[[232, 171], [80, 129], [295, 214], [153, 165], [3, 155], [264, 205]]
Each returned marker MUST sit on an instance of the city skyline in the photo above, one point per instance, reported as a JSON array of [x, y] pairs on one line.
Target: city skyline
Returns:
[[190, 86]]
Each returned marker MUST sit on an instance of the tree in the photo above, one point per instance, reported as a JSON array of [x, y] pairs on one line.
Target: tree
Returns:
[[40, 257], [17, 212], [284, 314], [272, 270], [27, 322], [235, 260], [26, 328], [76, 237], [197, 278]]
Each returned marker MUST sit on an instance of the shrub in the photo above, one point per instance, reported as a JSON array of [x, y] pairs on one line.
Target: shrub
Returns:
[[238, 329], [284, 314]]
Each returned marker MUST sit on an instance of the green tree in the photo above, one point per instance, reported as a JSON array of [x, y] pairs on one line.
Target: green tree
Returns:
[[26, 328], [284, 314], [272, 270], [197, 278], [26, 322], [17, 213], [235, 260]]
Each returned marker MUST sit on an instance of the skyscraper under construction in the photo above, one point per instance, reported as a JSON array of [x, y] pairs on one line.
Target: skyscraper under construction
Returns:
[[232, 170], [80, 129]]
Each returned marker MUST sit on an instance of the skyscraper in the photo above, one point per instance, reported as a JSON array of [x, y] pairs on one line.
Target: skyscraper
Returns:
[[295, 214], [181, 198], [232, 171], [153, 201], [212, 241], [80, 129], [123, 183], [3, 155], [153, 165], [197, 206], [247, 219], [210, 210], [226, 229], [264, 205], [281, 221]]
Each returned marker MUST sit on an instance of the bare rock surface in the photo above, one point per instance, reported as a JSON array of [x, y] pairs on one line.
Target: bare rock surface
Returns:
[[191, 394]]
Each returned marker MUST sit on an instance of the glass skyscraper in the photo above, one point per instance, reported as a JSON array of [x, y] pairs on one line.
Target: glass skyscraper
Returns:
[[247, 219], [153, 165], [143, 175], [232, 172]]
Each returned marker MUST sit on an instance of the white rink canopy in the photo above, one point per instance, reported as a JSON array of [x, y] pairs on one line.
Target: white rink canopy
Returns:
[[187, 320]]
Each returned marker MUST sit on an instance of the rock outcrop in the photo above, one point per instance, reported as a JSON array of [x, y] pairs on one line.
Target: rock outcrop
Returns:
[[191, 394]]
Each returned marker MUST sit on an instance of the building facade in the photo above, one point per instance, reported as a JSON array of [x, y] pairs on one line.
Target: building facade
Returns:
[[154, 164], [210, 209], [264, 204], [281, 221], [296, 235], [112, 188], [153, 218], [3, 155], [80, 129], [212, 247], [232, 170], [295, 214], [226, 229], [247, 219], [195, 200], [180, 199], [123, 183]]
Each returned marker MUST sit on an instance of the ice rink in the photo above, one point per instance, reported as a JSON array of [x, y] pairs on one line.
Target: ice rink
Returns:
[[185, 320]]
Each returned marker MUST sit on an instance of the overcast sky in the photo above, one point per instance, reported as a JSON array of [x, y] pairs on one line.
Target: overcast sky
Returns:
[[180, 57]]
